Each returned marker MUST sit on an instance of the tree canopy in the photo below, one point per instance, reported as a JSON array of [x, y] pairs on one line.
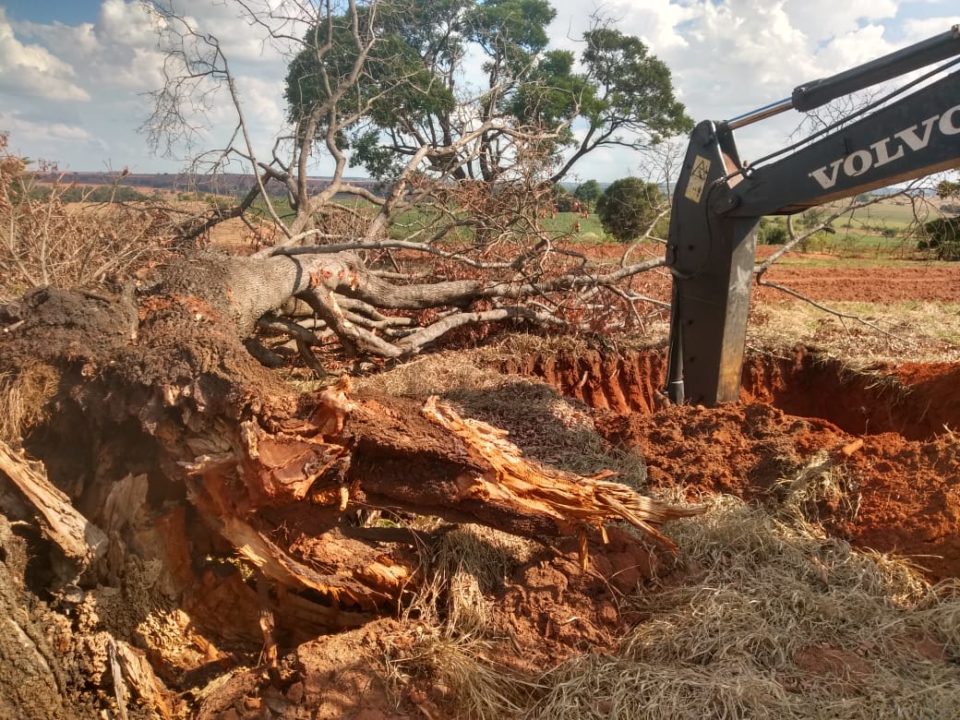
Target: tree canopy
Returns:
[[588, 192], [948, 189], [629, 207], [416, 87]]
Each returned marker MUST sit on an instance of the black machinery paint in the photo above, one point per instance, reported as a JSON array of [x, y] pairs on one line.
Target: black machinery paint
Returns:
[[718, 202]]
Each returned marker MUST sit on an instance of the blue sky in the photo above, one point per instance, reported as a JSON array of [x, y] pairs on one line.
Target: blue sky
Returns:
[[69, 12], [74, 73]]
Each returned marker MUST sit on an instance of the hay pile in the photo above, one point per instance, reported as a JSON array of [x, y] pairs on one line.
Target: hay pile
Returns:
[[771, 620], [763, 620], [764, 616]]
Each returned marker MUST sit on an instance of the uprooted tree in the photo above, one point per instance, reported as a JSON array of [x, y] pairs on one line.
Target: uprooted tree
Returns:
[[141, 426], [147, 404], [464, 171]]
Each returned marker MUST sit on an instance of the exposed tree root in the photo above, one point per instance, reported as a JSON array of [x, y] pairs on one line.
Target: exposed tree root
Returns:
[[161, 418]]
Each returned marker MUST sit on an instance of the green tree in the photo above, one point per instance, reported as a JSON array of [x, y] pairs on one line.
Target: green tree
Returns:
[[628, 207], [948, 189], [563, 199], [942, 235], [408, 93], [772, 232], [588, 192]]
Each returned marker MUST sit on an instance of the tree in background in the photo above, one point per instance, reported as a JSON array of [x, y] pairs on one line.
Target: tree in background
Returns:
[[772, 231], [563, 200], [942, 235], [588, 193], [630, 207], [948, 190], [415, 96], [465, 173]]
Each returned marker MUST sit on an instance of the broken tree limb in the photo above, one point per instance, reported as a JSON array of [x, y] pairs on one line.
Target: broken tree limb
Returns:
[[344, 452], [77, 537], [572, 501], [278, 474]]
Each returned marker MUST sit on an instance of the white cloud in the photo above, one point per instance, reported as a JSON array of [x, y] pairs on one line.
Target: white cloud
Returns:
[[656, 22], [45, 140], [126, 24], [113, 63], [920, 29], [119, 50], [33, 71], [729, 57], [726, 56], [824, 19]]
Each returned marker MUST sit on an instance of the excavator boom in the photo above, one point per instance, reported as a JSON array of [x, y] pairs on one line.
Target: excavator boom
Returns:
[[719, 201]]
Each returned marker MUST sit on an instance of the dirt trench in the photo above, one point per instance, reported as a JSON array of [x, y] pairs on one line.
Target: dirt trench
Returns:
[[872, 454]]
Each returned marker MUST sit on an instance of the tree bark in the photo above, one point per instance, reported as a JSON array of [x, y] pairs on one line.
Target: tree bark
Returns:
[[160, 386]]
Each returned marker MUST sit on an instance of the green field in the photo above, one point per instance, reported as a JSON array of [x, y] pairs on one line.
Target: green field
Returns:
[[882, 231]]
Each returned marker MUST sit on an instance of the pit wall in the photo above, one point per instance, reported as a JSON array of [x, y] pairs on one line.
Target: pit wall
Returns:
[[915, 401]]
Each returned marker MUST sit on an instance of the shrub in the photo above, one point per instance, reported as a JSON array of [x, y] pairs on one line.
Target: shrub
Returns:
[[772, 232], [629, 207], [942, 238], [563, 199]]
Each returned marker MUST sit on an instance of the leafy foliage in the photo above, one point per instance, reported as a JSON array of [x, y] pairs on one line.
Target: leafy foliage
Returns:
[[408, 57], [942, 236], [771, 232], [563, 200], [949, 189], [629, 207], [588, 192]]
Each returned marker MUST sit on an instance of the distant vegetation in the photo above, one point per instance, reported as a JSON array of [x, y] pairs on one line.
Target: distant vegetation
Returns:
[[629, 207], [85, 193], [942, 235], [887, 227]]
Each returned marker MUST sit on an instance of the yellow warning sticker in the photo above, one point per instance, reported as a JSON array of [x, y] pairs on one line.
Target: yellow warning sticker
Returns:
[[698, 179]]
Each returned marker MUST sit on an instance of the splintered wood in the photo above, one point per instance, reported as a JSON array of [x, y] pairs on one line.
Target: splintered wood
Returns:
[[571, 500], [287, 493], [77, 537]]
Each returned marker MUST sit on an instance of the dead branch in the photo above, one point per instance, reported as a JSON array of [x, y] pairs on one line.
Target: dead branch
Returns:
[[831, 311]]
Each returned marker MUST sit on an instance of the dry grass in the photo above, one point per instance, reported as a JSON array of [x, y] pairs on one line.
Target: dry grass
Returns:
[[461, 570], [915, 331], [820, 479], [44, 241], [453, 647], [772, 621], [767, 619], [463, 669], [23, 398]]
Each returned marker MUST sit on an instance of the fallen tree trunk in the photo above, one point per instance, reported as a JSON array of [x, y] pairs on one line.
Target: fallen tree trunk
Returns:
[[159, 386]]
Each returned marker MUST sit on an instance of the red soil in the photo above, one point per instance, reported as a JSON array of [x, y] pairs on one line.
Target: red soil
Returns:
[[902, 488], [924, 282], [835, 280]]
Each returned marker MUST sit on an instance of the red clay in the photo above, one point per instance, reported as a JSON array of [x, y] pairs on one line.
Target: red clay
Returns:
[[832, 278], [902, 488], [924, 282]]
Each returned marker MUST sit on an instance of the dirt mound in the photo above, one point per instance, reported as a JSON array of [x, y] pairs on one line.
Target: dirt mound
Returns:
[[897, 492]]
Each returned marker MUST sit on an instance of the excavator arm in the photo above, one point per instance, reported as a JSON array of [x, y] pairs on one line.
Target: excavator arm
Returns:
[[719, 201]]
